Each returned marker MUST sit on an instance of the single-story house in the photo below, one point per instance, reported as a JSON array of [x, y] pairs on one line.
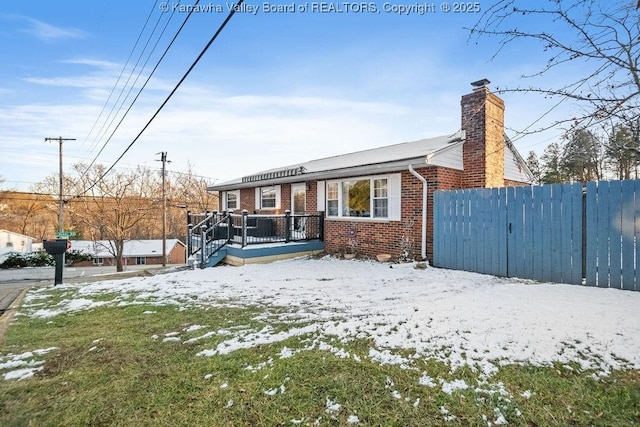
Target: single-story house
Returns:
[[11, 242], [380, 200], [136, 252]]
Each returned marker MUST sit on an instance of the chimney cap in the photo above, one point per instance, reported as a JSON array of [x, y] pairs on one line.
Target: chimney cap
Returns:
[[480, 83]]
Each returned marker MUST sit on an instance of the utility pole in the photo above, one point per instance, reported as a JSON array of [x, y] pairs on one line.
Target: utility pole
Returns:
[[163, 159], [61, 202]]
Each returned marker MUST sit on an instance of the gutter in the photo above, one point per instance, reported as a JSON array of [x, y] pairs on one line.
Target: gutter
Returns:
[[423, 242]]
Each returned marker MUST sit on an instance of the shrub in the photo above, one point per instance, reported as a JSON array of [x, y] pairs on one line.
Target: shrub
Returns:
[[33, 259], [73, 256]]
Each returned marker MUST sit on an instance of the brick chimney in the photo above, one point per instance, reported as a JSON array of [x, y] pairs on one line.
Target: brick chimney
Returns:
[[483, 149]]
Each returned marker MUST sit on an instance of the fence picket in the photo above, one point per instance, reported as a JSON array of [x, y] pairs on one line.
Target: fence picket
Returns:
[[552, 233], [577, 221], [615, 235], [627, 222], [592, 228]]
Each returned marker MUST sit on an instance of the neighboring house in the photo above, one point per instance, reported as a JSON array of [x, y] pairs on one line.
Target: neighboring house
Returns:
[[380, 200], [11, 242], [136, 252]]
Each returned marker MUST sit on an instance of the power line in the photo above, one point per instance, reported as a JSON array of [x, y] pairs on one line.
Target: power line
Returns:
[[143, 86], [113, 115], [173, 91], [121, 73]]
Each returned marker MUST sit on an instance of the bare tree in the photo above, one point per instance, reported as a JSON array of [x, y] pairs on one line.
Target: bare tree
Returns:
[[187, 191], [597, 41], [115, 205], [31, 214]]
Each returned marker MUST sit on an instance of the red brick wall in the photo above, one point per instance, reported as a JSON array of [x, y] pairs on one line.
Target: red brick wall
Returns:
[[402, 239], [177, 255], [483, 149]]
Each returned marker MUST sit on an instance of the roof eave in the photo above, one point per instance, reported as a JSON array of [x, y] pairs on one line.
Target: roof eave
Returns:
[[377, 168]]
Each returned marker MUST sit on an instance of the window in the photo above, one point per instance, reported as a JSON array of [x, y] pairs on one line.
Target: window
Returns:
[[98, 261], [380, 198], [140, 260], [365, 197], [232, 200], [268, 197], [356, 198], [332, 199]]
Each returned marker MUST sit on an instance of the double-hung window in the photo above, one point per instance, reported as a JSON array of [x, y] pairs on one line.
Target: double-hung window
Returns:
[[232, 201], [268, 197]]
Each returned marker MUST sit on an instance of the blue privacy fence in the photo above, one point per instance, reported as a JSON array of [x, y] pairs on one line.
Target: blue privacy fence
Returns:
[[557, 233]]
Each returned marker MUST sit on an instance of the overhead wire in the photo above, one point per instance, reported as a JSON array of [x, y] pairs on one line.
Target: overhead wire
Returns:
[[113, 115], [124, 67], [143, 86], [231, 13]]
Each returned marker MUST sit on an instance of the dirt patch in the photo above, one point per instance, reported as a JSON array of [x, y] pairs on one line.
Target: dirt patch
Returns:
[[7, 315]]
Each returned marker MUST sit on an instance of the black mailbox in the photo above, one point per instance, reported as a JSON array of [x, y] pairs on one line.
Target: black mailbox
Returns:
[[55, 246]]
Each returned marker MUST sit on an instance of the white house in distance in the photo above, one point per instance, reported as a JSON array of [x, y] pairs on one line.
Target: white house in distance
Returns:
[[11, 242], [136, 252]]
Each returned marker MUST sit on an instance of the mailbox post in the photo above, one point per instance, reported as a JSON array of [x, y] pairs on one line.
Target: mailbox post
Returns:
[[57, 248]]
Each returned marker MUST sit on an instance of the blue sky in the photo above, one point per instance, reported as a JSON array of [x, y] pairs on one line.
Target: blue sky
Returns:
[[274, 89]]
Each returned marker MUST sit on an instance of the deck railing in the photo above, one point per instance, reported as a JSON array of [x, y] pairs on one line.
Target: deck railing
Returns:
[[213, 230]]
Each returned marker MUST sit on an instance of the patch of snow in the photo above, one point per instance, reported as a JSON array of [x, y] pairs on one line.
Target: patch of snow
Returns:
[[462, 319], [332, 407], [426, 380], [271, 392], [21, 374], [286, 353], [353, 419], [455, 385], [500, 419], [193, 328]]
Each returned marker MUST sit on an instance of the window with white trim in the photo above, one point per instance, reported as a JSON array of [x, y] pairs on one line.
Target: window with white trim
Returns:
[[376, 197], [332, 199], [232, 200], [268, 197]]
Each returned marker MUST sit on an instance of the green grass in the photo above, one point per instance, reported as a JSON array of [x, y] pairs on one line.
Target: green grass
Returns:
[[130, 378]]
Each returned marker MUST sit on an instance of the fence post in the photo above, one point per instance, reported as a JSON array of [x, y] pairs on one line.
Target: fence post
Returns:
[[287, 222], [245, 215], [189, 230], [321, 226], [203, 246], [229, 224]]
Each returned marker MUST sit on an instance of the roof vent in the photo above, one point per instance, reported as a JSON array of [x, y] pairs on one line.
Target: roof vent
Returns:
[[480, 84]]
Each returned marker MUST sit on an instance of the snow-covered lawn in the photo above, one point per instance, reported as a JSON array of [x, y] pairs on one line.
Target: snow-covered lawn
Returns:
[[463, 319]]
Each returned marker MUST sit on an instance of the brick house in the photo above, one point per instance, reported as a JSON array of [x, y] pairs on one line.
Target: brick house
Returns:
[[380, 200], [136, 252]]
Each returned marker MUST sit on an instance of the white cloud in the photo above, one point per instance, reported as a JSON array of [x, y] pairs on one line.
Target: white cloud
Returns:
[[49, 33]]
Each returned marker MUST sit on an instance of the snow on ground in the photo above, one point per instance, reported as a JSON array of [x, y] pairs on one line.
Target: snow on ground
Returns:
[[461, 318]]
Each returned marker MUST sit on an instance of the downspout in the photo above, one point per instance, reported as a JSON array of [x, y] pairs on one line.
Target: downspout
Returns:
[[423, 248]]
